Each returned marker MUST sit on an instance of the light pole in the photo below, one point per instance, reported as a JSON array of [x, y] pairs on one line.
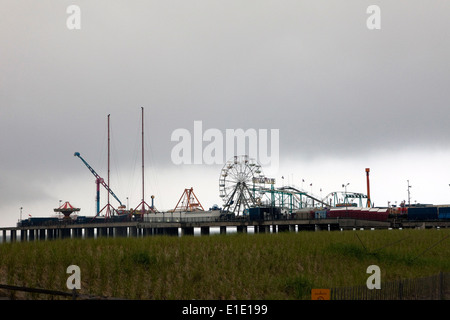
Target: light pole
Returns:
[[21, 214], [409, 194], [321, 197], [345, 188]]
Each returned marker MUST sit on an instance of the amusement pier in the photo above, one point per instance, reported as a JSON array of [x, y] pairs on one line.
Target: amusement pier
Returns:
[[252, 203]]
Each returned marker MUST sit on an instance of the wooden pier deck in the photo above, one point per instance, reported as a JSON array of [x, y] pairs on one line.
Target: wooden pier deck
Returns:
[[141, 228]]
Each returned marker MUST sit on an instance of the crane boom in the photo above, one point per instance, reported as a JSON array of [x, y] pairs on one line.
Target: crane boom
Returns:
[[77, 154]]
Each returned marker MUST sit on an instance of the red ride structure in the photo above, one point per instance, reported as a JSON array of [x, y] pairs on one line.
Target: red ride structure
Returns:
[[66, 209]]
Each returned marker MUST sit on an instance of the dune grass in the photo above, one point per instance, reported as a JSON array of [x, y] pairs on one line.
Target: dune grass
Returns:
[[233, 266]]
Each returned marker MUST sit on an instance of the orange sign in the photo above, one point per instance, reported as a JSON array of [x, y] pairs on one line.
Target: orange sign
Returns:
[[320, 294]]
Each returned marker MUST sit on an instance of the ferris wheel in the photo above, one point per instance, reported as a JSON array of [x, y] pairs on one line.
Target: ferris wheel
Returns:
[[238, 184]]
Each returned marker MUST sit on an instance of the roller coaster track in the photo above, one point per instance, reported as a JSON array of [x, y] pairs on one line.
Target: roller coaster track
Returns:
[[295, 192]]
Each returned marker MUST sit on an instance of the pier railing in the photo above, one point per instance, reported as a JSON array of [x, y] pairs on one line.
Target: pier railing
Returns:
[[164, 218]]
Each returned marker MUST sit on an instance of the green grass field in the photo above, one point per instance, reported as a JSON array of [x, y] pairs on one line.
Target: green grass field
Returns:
[[233, 266]]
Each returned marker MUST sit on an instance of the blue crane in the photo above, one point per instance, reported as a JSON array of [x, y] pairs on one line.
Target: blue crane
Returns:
[[99, 180]]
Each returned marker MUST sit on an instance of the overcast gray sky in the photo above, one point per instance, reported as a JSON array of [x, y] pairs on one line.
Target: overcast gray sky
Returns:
[[342, 96]]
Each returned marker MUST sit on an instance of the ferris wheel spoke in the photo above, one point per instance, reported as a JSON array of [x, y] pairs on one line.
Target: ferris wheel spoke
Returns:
[[237, 186]]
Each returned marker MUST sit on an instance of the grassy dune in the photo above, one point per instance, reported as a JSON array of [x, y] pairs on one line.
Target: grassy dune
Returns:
[[234, 266]]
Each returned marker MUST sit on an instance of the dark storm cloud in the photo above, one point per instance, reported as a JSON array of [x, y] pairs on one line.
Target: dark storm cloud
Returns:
[[309, 68]]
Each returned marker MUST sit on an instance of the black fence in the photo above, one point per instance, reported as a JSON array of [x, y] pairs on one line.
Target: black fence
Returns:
[[436, 287]]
